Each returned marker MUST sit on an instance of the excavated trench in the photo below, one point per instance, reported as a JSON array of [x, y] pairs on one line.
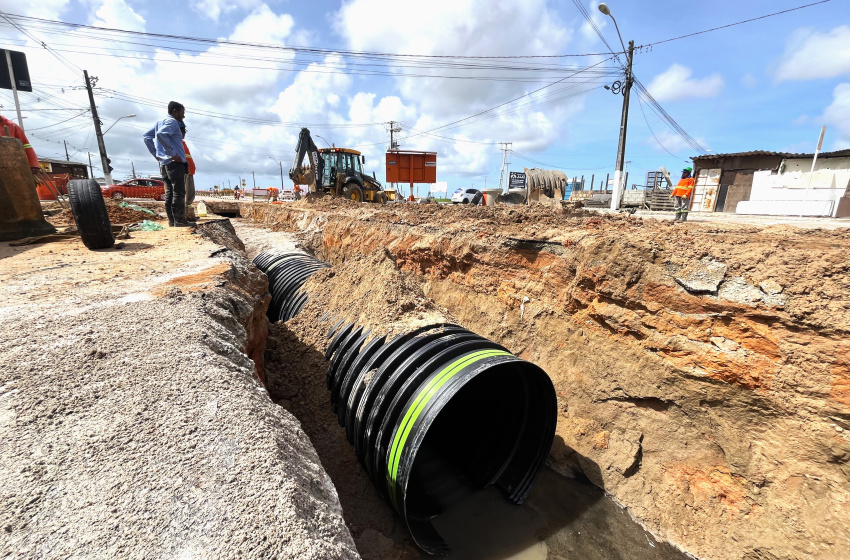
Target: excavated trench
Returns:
[[475, 451], [701, 372]]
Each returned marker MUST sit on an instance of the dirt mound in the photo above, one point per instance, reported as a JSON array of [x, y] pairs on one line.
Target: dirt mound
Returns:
[[117, 215], [370, 291]]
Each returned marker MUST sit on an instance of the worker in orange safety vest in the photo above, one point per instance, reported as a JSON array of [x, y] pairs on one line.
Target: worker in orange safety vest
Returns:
[[190, 169], [682, 195], [8, 128]]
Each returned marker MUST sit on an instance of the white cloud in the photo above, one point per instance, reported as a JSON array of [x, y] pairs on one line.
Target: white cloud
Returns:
[[47, 9], [471, 28], [676, 84], [810, 55], [116, 14], [314, 95], [213, 9], [451, 27], [837, 116]]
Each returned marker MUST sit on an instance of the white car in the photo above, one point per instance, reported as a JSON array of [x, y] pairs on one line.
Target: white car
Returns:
[[467, 196]]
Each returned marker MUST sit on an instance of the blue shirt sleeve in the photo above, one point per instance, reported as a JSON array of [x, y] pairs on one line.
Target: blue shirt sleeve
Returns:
[[165, 135], [148, 138]]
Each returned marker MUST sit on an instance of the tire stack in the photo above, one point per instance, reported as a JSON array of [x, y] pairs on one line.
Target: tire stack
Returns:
[[437, 413], [287, 273]]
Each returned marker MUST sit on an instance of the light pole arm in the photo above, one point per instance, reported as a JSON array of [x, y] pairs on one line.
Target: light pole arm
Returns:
[[617, 27]]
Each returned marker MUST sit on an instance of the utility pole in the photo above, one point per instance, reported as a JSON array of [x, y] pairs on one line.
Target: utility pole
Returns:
[[14, 88], [107, 170], [393, 129], [617, 191], [91, 169], [504, 182], [254, 179], [67, 157], [133, 167]]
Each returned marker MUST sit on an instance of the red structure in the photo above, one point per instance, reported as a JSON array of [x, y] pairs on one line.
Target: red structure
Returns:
[[411, 167]]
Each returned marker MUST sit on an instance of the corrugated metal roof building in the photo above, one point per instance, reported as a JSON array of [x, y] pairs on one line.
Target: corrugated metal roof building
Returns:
[[724, 180]]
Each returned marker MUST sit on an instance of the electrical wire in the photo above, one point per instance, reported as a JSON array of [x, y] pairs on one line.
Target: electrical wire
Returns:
[[640, 104], [694, 34], [549, 165], [297, 49]]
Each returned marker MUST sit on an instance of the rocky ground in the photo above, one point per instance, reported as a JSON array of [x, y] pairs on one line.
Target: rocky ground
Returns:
[[701, 368], [134, 423]]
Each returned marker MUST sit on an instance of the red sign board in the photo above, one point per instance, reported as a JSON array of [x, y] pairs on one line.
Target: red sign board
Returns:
[[411, 167]]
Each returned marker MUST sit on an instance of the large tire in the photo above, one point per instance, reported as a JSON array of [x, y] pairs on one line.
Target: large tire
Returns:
[[353, 192], [380, 198], [89, 212]]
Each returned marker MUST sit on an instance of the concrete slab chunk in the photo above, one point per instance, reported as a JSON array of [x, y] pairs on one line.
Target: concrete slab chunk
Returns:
[[703, 276]]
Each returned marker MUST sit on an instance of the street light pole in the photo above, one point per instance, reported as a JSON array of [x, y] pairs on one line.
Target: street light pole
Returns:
[[281, 172], [116, 122], [619, 176]]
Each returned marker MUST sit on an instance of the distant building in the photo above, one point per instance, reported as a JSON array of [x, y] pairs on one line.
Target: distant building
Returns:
[[62, 167], [773, 183]]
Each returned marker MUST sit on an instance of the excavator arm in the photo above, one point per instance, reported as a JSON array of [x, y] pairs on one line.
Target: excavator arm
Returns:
[[312, 175]]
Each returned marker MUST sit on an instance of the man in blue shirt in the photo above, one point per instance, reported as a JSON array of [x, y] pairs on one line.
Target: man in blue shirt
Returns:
[[165, 143]]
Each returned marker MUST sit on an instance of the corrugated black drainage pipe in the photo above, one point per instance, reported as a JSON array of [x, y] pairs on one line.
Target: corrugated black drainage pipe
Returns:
[[439, 412], [287, 273]]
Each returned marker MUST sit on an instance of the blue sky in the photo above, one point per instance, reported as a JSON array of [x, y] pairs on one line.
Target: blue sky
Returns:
[[770, 84]]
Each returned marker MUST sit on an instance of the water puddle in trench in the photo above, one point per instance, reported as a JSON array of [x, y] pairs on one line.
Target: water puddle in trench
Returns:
[[562, 519]]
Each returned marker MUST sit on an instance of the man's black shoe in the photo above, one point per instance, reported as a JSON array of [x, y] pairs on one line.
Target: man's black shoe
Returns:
[[183, 224]]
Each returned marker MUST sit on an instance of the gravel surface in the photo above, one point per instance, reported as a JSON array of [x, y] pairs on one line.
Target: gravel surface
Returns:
[[132, 424]]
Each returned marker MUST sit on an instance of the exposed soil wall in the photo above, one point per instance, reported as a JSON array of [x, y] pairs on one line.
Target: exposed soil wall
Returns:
[[702, 370]]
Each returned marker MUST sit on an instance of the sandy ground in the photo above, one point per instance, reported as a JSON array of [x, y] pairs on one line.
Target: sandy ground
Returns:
[[133, 426]]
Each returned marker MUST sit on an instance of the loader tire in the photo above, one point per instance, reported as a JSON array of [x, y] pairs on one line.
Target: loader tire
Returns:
[[89, 211], [353, 192], [380, 198]]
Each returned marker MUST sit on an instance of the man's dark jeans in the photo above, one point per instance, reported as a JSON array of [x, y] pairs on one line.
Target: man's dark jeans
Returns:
[[174, 175]]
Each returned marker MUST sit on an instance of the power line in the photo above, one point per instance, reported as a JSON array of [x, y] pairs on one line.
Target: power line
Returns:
[[736, 23], [526, 158], [67, 63], [640, 104], [297, 49], [659, 110]]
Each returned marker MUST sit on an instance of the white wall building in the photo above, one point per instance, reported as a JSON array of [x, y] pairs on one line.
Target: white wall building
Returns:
[[793, 189]]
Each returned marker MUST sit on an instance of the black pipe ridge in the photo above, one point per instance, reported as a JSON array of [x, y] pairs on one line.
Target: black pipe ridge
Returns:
[[287, 272], [439, 403], [434, 408]]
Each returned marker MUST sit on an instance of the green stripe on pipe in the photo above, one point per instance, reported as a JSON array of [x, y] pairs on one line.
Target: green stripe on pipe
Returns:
[[418, 405]]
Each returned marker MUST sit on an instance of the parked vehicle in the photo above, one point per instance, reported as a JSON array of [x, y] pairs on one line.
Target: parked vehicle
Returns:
[[467, 196], [136, 188]]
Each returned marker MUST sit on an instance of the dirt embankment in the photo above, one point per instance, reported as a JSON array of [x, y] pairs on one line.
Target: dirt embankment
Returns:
[[61, 216], [133, 426], [702, 370]]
